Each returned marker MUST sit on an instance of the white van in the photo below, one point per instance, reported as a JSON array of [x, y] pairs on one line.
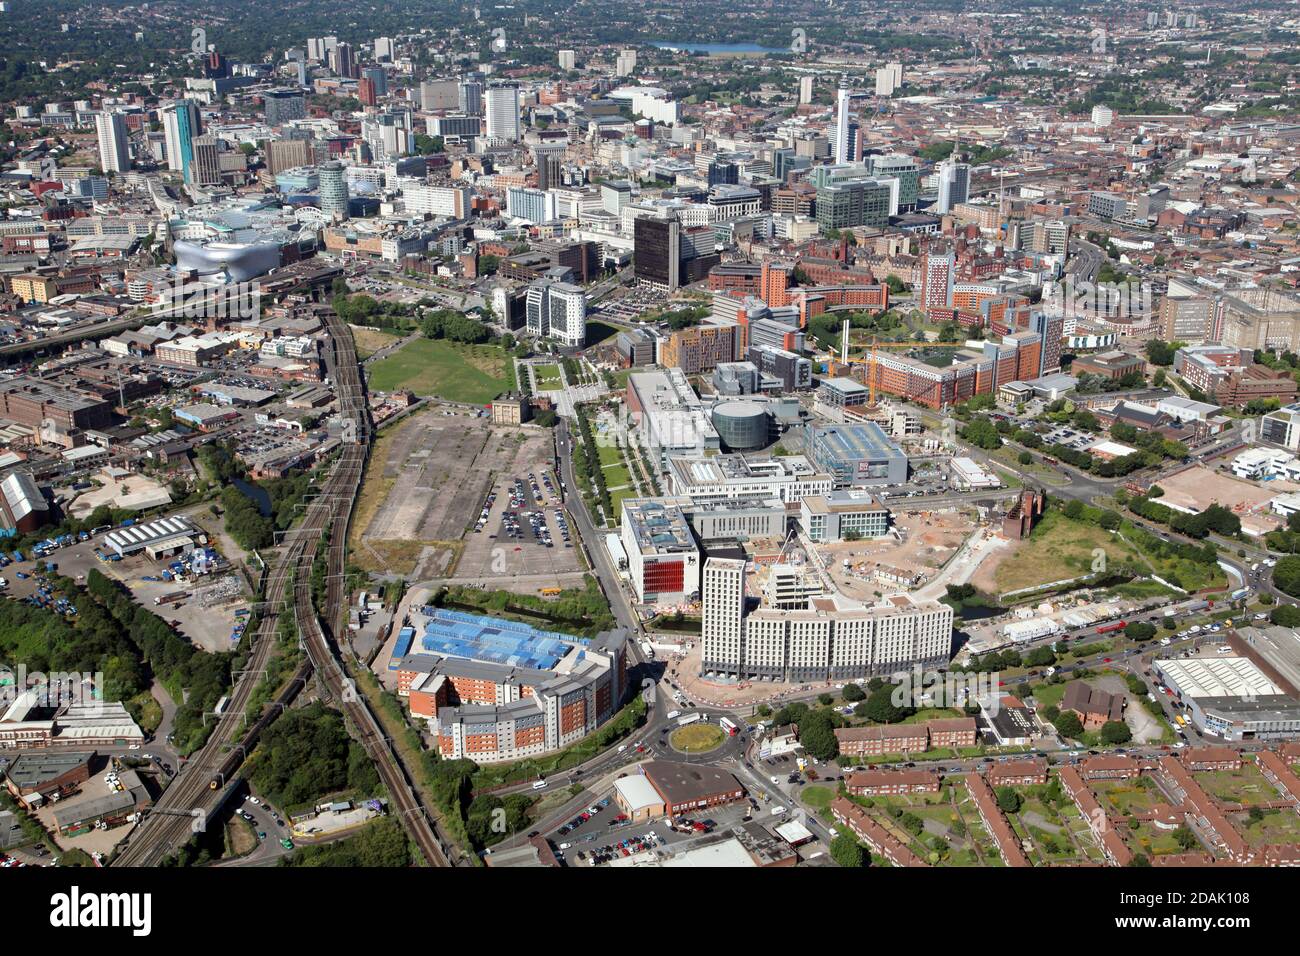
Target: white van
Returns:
[[539, 784]]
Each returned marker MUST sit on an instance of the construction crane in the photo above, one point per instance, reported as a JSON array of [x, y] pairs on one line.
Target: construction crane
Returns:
[[870, 360]]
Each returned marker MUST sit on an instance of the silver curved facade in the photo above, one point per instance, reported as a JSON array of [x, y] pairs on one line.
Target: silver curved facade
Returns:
[[742, 426], [240, 261]]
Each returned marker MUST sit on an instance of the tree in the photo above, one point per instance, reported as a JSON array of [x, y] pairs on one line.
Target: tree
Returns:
[[981, 433], [1286, 575], [817, 735], [853, 693], [1285, 615], [880, 707], [1008, 800], [1184, 837], [1025, 458], [1069, 725], [848, 852], [1115, 732]]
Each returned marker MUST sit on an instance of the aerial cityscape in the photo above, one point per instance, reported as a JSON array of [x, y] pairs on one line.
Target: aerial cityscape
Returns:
[[531, 435]]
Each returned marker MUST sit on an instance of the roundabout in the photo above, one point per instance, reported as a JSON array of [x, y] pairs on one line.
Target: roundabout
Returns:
[[697, 738]]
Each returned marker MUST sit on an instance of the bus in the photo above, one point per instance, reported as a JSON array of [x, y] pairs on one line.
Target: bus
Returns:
[[729, 726]]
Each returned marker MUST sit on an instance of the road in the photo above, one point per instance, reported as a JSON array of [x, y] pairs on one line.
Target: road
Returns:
[[592, 538]]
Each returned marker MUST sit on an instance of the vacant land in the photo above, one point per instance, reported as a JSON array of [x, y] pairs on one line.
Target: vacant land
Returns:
[[369, 341], [474, 374], [1058, 549], [427, 480]]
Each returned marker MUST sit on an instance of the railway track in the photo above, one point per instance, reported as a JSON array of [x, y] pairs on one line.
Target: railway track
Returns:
[[209, 776]]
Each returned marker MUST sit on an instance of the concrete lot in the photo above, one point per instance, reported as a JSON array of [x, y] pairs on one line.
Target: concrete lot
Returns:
[[425, 493], [133, 491], [1199, 487], [492, 553]]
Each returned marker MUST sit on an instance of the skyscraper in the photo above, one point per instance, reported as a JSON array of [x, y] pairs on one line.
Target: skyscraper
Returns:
[[114, 149], [954, 185], [281, 106], [333, 191], [471, 97], [503, 112], [722, 613], [567, 60], [549, 159], [842, 138], [657, 251], [205, 170], [180, 125], [806, 89]]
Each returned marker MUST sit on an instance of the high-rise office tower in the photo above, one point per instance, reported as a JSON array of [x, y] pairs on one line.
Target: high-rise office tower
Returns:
[[471, 97], [180, 125], [114, 147], [205, 170], [281, 106], [503, 112], [625, 64], [333, 191], [567, 60], [806, 88], [550, 161], [343, 60], [842, 137], [954, 185], [384, 49], [657, 251], [377, 76], [366, 91]]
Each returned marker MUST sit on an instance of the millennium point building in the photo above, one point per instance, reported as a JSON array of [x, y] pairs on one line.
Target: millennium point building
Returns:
[[800, 633]]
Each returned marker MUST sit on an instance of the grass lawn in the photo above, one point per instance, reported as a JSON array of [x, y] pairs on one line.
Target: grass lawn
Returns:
[[1246, 786], [1276, 826], [933, 713], [1058, 549], [459, 373], [609, 454], [1049, 695], [697, 738], [817, 797], [548, 377]]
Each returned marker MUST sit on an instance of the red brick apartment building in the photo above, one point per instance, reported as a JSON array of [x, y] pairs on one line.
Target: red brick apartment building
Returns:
[[1112, 843], [1018, 773], [907, 738], [1212, 758], [872, 834], [875, 783], [1013, 854], [1109, 767]]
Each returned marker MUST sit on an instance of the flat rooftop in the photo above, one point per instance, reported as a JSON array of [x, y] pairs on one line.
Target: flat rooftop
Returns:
[[658, 528], [493, 640], [1219, 677]]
